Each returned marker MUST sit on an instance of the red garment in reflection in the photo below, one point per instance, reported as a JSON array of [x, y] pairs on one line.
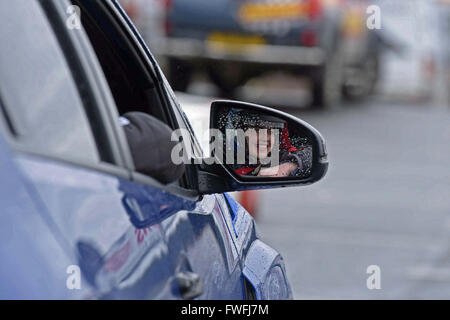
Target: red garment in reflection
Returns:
[[285, 145], [285, 141]]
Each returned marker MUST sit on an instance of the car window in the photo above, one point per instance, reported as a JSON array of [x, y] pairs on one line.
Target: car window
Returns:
[[132, 82], [132, 86], [37, 88]]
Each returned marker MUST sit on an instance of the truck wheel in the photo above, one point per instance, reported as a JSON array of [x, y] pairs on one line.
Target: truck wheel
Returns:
[[327, 83], [180, 73], [227, 78], [361, 81]]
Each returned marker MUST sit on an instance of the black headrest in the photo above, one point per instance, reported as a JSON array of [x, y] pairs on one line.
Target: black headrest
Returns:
[[151, 147]]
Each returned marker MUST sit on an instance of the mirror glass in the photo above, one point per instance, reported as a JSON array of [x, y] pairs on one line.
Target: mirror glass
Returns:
[[259, 144]]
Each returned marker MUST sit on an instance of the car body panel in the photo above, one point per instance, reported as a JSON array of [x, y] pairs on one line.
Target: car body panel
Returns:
[[251, 32], [269, 19], [264, 269], [93, 212], [263, 266], [242, 229], [34, 256]]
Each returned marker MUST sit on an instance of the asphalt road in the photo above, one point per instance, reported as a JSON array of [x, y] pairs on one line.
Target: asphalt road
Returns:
[[386, 198], [385, 201]]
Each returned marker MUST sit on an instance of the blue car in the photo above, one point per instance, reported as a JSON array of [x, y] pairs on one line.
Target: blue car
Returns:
[[78, 220]]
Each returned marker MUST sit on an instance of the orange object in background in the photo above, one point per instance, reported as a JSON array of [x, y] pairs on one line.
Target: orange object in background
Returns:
[[354, 21], [249, 200], [272, 10]]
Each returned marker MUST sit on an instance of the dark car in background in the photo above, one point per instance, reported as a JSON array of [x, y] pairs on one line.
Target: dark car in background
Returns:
[[234, 41]]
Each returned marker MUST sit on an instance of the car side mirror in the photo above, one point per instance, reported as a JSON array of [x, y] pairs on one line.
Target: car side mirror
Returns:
[[255, 147]]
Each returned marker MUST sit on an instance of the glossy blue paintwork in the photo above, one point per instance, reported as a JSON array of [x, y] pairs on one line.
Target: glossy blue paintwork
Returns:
[[263, 266], [33, 256], [265, 270], [68, 215], [122, 261], [130, 240]]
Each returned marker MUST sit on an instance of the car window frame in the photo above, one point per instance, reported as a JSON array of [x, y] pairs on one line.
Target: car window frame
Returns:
[[127, 28], [111, 108], [123, 166], [176, 112], [188, 189], [7, 128]]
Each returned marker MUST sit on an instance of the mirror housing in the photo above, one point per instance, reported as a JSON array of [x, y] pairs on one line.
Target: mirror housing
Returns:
[[217, 175]]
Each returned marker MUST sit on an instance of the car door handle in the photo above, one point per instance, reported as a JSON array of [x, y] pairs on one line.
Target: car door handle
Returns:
[[190, 285]]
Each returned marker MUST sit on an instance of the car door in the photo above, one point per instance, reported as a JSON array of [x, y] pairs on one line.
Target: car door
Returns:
[[27, 241], [73, 154], [198, 238], [214, 232], [68, 153]]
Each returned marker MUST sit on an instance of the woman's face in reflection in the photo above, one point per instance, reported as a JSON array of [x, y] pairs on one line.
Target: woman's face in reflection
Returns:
[[260, 142]]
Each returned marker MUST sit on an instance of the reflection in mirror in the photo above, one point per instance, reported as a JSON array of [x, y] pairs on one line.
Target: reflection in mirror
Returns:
[[263, 145]]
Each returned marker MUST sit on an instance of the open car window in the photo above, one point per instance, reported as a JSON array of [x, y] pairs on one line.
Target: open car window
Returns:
[[131, 85], [131, 81], [38, 93]]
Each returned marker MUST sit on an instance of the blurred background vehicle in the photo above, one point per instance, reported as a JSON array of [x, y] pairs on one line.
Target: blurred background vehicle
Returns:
[[148, 17], [411, 74], [385, 200], [234, 41], [444, 28], [363, 49], [325, 41]]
